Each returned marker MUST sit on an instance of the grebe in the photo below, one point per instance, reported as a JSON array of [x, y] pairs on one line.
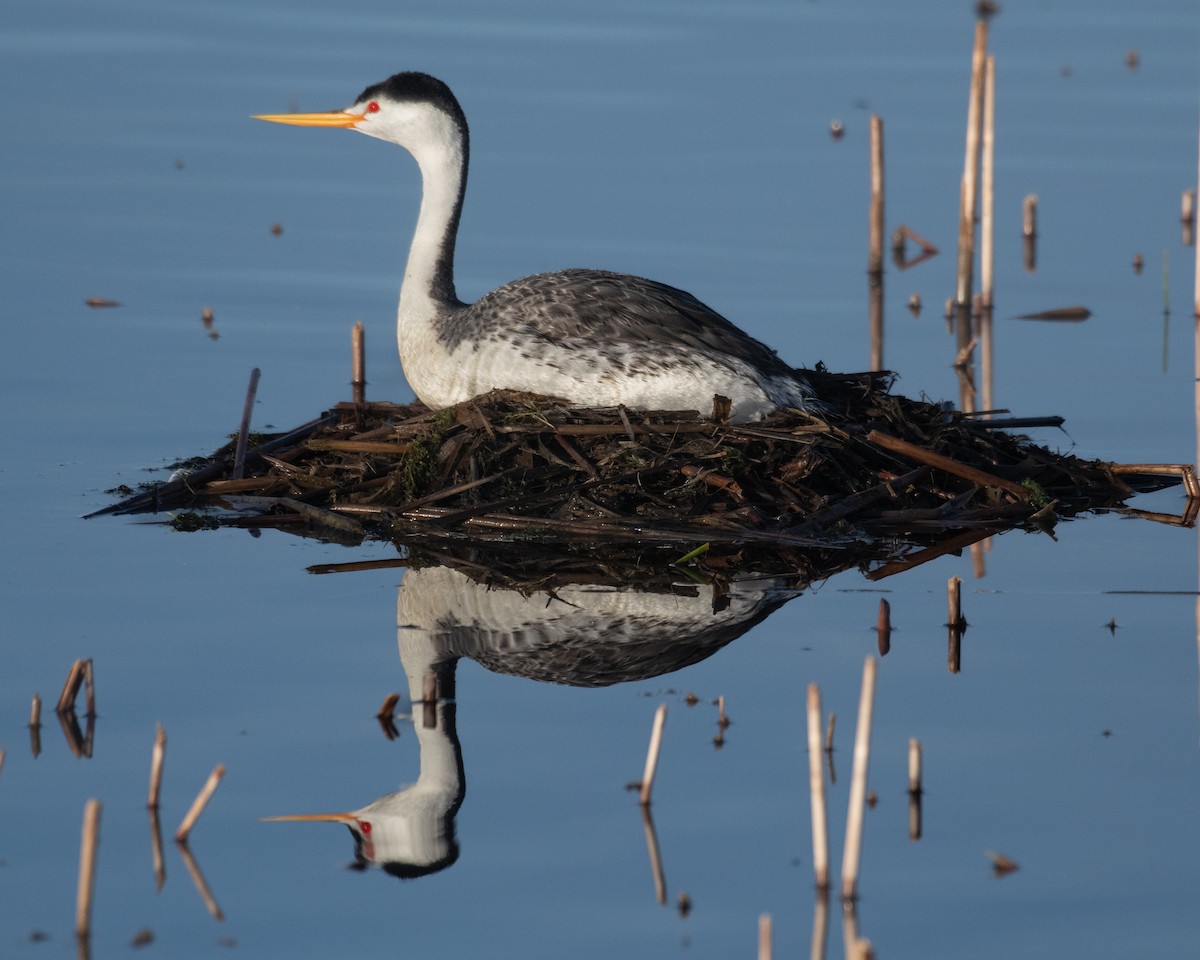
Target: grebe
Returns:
[[590, 337]]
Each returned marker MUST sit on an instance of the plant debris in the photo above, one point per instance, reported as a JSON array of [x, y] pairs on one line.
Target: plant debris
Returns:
[[870, 466]]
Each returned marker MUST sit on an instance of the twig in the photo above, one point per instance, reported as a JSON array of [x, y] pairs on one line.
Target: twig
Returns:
[[816, 786], [199, 803], [954, 600], [157, 753], [858, 783], [70, 690], [89, 685], [87, 869], [660, 719], [239, 454], [1029, 231], [939, 462], [35, 712]]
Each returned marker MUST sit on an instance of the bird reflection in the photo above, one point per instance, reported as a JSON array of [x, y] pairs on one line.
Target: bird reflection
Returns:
[[583, 634]]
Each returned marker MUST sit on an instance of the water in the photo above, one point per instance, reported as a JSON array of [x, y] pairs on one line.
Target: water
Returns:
[[688, 143]]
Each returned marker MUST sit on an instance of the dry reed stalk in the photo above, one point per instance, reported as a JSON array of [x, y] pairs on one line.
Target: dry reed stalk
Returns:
[[1029, 231], [968, 195], [157, 754], [198, 805], [87, 869], [70, 690], [816, 786], [939, 462], [858, 783], [89, 686], [954, 600], [660, 719], [914, 789], [875, 244], [883, 627], [35, 712], [239, 454], [987, 230], [358, 363], [764, 936], [2, 755]]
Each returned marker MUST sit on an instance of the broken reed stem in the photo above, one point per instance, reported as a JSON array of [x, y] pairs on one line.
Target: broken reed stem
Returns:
[[35, 712], [87, 869], [200, 803], [1029, 231], [954, 598], [816, 786], [875, 237], [70, 690], [970, 189], [156, 766], [358, 363], [239, 452], [660, 719], [764, 936], [89, 686], [988, 183], [987, 230], [858, 783], [829, 733], [914, 765], [939, 462]]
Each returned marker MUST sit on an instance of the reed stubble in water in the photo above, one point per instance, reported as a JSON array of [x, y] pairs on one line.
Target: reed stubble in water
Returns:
[[858, 783], [656, 733], [875, 244], [816, 786], [198, 805], [87, 869]]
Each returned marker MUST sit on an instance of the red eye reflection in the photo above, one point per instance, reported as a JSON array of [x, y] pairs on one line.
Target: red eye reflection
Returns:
[[373, 107], [365, 827]]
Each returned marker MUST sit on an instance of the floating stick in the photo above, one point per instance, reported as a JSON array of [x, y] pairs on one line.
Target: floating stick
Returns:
[[764, 936], [239, 453], [87, 869], [35, 726], [883, 627], [660, 718], [875, 236], [358, 380], [816, 786], [199, 803], [858, 783], [156, 766]]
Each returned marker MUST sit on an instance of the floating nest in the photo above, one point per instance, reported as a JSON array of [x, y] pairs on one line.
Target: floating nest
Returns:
[[870, 468]]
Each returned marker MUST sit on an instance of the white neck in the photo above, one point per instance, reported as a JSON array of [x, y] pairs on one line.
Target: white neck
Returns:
[[429, 274]]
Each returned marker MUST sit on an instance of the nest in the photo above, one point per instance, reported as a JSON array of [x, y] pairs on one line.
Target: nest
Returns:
[[871, 467]]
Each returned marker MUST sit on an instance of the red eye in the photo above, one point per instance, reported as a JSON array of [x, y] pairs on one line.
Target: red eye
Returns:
[[373, 107], [365, 827]]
